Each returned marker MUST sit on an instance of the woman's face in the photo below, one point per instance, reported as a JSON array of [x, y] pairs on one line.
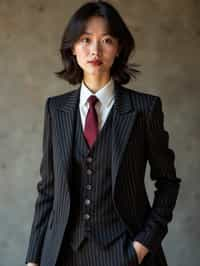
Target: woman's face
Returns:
[[96, 50]]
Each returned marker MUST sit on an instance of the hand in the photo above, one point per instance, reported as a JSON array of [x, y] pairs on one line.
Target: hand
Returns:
[[32, 264], [141, 251]]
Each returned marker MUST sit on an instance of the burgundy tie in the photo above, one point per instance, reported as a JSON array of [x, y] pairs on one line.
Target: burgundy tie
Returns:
[[91, 123]]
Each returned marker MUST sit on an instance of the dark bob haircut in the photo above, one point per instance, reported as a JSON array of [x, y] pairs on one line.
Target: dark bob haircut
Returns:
[[121, 71]]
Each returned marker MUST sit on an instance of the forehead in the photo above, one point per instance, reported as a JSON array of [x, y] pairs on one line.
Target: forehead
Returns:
[[96, 25]]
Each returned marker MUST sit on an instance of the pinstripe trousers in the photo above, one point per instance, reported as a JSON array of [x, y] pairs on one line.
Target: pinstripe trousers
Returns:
[[120, 253]]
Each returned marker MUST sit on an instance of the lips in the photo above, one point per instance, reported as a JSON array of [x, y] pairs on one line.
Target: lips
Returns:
[[95, 62]]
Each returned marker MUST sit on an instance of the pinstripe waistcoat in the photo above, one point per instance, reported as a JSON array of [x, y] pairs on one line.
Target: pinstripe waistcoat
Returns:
[[93, 213], [137, 136]]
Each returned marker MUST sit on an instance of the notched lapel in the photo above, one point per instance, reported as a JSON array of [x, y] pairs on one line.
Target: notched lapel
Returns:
[[65, 117], [124, 118]]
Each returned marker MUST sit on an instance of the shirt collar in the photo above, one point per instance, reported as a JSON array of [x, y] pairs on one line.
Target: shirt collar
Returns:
[[104, 94]]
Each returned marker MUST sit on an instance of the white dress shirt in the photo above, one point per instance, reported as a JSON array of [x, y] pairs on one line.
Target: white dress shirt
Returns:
[[105, 96]]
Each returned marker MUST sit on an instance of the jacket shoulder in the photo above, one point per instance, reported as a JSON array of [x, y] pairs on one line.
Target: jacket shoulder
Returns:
[[63, 96], [142, 101], [60, 100]]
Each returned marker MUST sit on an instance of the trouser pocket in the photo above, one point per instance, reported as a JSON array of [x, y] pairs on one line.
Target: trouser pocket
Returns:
[[129, 251], [134, 257]]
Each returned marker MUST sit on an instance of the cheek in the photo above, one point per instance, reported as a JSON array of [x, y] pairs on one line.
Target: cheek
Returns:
[[110, 56], [110, 52], [82, 54]]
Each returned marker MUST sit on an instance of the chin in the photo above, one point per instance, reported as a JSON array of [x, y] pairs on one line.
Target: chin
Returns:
[[95, 72]]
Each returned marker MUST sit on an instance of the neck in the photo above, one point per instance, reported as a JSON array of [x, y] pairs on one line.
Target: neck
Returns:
[[95, 84]]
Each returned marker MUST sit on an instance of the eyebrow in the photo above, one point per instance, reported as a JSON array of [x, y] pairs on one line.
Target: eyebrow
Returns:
[[90, 33]]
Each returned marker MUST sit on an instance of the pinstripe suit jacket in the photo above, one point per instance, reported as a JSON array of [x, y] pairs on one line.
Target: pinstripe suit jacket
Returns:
[[138, 136]]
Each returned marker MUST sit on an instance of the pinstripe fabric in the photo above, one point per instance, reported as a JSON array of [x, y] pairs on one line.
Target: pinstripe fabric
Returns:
[[138, 136], [103, 225], [119, 253]]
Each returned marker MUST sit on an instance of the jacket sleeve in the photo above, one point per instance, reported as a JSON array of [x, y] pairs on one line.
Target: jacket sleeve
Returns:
[[45, 189], [162, 171]]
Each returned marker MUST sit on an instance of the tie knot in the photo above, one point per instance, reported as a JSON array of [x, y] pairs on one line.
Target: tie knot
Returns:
[[92, 100]]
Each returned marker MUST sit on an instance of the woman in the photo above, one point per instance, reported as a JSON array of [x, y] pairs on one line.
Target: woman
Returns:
[[92, 207]]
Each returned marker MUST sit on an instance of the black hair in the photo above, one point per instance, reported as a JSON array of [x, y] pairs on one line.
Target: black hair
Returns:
[[121, 70]]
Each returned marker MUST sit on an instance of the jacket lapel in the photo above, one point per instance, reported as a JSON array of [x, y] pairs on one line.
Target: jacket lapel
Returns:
[[123, 120], [66, 116]]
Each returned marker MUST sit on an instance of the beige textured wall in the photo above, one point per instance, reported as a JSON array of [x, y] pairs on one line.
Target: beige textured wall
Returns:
[[167, 37]]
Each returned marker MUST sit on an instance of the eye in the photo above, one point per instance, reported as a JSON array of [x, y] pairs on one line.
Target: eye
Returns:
[[85, 40], [108, 40]]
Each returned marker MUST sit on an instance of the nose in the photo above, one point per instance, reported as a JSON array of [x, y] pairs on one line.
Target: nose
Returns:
[[96, 48]]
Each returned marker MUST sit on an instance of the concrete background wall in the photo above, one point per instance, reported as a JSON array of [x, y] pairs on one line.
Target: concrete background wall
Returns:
[[167, 37]]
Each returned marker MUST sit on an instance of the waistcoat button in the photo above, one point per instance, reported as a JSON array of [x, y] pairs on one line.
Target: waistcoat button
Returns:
[[87, 202], [86, 216], [89, 159], [89, 187], [89, 171]]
